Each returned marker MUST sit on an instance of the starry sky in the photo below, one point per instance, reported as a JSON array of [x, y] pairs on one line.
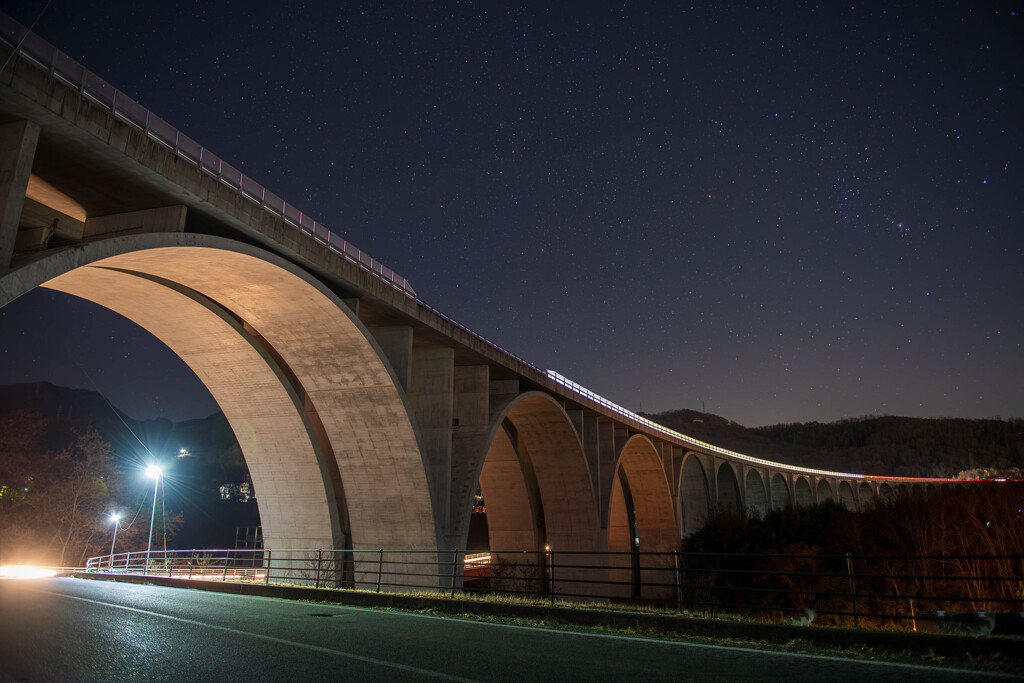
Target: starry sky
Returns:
[[783, 211]]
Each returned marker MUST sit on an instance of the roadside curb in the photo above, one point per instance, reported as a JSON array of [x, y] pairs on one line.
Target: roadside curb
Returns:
[[885, 641]]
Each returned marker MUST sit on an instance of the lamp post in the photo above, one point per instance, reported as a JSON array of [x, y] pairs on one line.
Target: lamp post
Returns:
[[115, 517], [153, 471]]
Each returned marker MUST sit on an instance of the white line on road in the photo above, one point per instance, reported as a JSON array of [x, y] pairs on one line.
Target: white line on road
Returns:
[[280, 641], [708, 646]]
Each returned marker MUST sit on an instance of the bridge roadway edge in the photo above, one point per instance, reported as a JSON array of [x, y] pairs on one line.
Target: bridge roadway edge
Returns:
[[888, 642]]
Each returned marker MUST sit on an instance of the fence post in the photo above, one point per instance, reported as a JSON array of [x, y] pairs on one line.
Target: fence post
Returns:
[[853, 590], [380, 567], [224, 574], [679, 581], [551, 572], [266, 573], [455, 564], [316, 580]]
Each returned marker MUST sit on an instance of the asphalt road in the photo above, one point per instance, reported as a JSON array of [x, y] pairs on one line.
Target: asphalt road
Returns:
[[81, 630]]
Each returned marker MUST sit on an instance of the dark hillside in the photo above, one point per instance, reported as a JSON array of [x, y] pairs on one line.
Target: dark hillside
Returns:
[[193, 481], [894, 446]]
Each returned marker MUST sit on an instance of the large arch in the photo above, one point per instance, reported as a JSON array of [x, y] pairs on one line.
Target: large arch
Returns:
[[509, 497], [695, 503], [804, 495], [536, 484], [729, 497], [780, 492], [886, 493], [756, 497], [846, 497], [323, 427], [642, 499]]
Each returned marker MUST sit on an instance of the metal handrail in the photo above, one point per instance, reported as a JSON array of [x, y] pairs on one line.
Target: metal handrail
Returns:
[[44, 56], [677, 580]]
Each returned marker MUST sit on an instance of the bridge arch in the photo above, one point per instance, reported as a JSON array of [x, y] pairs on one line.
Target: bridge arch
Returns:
[[866, 496], [780, 492], [846, 497], [804, 495], [533, 440], [755, 495], [824, 491], [694, 500], [729, 497], [316, 410], [640, 464], [539, 495], [509, 490], [886, 493], [641, 499]]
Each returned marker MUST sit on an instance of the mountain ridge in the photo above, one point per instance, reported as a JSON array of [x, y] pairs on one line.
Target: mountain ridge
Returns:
[[877, 445]]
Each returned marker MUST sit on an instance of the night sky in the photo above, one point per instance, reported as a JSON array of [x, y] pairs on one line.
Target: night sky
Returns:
[[787, 211]]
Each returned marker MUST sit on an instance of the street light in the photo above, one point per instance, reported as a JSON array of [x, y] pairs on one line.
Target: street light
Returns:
[[154, 471], [115, 517]]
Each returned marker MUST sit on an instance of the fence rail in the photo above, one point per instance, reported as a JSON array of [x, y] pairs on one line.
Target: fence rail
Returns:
[[926, 591]]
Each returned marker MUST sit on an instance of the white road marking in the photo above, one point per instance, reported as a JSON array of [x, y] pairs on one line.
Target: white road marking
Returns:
[[273, 639], [689, 644]]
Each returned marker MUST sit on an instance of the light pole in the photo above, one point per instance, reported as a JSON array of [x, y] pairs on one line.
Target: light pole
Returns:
[[153, 471], [115, 517]]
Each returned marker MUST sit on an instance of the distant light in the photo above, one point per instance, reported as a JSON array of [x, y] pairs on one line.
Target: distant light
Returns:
[[183, 453], [24, 571], [115, 517], [154, 471]]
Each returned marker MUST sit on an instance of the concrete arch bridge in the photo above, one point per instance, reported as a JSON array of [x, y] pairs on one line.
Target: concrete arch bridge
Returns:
[[368, 419]]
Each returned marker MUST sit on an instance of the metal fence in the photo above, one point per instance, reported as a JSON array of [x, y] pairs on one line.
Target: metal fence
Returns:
[[909, 592]]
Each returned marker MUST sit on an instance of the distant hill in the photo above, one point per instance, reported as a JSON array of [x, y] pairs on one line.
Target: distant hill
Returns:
[[889, 446], [892, 446], [193, 481]]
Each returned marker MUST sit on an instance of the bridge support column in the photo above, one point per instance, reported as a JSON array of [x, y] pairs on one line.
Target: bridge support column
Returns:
[[17, 151], [396, 343], [590, 437], [431, 393], [471, 428], [605, 467]]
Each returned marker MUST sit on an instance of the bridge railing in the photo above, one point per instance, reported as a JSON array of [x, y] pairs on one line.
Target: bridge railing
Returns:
[[925, 592], [35, 51]]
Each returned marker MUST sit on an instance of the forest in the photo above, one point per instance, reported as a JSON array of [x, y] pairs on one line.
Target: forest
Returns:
[[70, 459], [55, 504], [961, 549]]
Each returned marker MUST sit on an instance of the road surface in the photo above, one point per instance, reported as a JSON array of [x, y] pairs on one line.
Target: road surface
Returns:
[[82, 630]]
